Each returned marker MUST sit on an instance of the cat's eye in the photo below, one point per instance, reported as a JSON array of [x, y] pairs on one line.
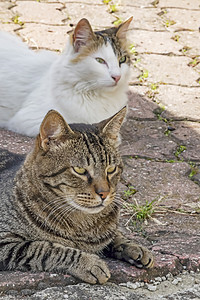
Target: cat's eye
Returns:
[[111, 170], [80, 171], [100, 60], [122, 59]]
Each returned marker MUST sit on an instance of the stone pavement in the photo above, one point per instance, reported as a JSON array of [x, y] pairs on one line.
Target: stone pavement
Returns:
[[161, 141]]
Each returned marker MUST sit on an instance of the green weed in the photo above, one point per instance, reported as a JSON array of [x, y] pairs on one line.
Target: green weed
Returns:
[[144, 75], [143, 212], [118, 22], [15, 20], [169, 23], [179, 150], [129, 192], [194, 62], [176, 38]]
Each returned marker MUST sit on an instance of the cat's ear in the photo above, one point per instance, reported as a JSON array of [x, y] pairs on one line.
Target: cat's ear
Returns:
[[110, 128], [83, 34], [122, 29], [53, 127]]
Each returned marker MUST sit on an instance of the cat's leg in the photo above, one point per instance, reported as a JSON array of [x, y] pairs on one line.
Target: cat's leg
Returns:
[[52, 257], [125, 249]]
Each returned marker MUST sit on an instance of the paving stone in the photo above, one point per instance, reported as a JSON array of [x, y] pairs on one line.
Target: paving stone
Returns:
[[154, 42], [187, 19], [137, 3], [146, 139], [76, 11], [85, 292], [36, 12], [188, 134], [140, 107], [45, 36], [11, 27], [143, 18], [185, 4], [14, 142], [158, 180], [180, 102], [5, 13], [169, 69], [189, 40]]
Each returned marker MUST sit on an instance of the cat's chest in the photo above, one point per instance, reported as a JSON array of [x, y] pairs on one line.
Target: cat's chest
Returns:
[[94, 236]]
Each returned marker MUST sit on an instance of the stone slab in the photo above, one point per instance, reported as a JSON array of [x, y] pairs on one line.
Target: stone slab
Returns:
[[188, 134], [180, 102], [137, 3], [184, 4], [169, 69], [42, 36], [185, 18], [5, 12], [14, 142], [189, 40], [75, 11], [139, 106], [36, 12], [166, 183], [143, 18], [146, 139], [154, 42]]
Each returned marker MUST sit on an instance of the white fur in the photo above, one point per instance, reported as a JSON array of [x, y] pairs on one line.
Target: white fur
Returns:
[[32, 83]]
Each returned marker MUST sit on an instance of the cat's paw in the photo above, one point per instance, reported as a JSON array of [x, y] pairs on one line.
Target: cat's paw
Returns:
[[91, 269], [136, 255]]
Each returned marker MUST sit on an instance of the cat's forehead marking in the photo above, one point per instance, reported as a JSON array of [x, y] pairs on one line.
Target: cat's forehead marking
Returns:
[[111, 39], [96, 148]]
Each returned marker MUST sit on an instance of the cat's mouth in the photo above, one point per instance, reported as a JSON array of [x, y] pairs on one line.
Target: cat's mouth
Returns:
[[91, 209]]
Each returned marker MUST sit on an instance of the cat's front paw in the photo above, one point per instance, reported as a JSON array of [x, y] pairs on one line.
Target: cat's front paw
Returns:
[[91, 269], [136, 255]]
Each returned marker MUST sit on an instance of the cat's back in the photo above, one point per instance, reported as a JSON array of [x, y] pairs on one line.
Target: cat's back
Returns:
[[9, 165], [21, 71], [7, 41]]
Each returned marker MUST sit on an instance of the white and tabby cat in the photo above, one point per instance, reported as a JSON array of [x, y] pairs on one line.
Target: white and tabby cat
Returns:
[[86, 83]]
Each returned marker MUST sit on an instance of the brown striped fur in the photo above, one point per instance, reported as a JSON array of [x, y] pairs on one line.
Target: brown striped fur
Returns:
[[60, 209]]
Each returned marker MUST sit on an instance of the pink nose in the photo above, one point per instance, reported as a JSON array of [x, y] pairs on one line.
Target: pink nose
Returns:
[[116, 78]]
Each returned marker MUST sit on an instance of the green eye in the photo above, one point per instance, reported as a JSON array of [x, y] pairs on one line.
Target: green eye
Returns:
[[100, 60], [111, 170], [122, 59], [80, 171]]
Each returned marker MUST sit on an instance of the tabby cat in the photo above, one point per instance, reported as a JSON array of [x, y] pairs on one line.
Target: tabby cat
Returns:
[[90, 76], [61, 208]]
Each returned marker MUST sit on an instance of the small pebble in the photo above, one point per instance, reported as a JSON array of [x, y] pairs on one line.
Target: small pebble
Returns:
[[158, 279], [141, 284], [175, 282], [157, 282], [163, 278], [151, 287], [169, 275], [184, 267], [197, 281], [132, 285], [179, 279]]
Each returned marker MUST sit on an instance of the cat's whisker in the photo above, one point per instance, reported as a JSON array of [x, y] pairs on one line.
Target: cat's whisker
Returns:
[[56, 205]]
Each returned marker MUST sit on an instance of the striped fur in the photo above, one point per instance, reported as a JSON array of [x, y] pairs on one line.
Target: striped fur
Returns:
[[59, 208]]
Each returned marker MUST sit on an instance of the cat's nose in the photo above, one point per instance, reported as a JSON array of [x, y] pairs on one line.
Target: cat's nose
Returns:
[[102, 194], [116, 78]]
